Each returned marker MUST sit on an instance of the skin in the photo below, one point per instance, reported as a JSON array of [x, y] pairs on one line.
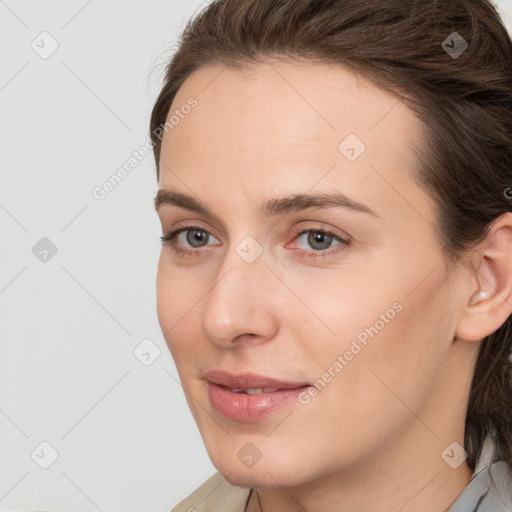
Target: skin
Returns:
[[372, 439]]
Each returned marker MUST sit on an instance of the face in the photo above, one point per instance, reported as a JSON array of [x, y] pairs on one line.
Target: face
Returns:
[[346, 303]]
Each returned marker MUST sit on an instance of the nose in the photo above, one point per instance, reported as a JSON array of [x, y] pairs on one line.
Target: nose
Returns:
[[242, 305]]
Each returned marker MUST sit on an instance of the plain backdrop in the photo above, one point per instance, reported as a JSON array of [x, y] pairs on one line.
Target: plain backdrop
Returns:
[[92, 415]]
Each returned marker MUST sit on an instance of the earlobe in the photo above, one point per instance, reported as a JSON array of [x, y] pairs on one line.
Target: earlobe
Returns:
[[490, 301], [478, 297]]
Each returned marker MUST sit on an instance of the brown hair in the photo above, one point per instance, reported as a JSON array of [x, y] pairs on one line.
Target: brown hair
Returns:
[[463, 96]]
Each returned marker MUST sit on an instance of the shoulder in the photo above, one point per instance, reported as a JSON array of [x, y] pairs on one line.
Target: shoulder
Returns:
[[213, 495], [489, 490]]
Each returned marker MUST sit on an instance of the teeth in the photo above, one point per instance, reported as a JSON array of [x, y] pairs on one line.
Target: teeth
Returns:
[[254, 391]]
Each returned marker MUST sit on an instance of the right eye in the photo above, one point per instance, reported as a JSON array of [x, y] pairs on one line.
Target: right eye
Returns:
[[192, 235]]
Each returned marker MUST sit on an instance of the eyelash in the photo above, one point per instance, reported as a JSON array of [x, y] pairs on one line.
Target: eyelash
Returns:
[[169, 239]]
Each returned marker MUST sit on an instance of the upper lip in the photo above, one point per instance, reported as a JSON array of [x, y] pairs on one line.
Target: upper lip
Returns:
[[248, 381]]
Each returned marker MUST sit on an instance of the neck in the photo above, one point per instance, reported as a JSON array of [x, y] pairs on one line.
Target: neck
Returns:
[[411, 484]]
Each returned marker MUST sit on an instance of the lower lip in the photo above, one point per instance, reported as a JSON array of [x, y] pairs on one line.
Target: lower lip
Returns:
[[250, 408]]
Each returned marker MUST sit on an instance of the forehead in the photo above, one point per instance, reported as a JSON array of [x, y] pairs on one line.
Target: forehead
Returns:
[[305, 102], [292, 125]]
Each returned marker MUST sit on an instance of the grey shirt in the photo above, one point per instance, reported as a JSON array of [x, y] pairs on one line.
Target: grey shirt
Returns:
[[489, 490]]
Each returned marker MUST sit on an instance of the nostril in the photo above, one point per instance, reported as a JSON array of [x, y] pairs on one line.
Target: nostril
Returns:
[[241, 337]]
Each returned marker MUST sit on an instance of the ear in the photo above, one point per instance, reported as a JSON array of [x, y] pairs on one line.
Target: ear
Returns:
[[489, 302]]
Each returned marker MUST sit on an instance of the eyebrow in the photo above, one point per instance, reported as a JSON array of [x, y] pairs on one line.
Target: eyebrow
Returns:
[[271, 207]]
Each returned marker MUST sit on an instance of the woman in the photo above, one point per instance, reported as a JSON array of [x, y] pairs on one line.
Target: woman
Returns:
[[335, 281]]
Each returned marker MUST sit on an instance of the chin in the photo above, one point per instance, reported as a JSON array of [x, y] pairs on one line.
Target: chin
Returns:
[[256, 479], [264, 474], [243, 480]]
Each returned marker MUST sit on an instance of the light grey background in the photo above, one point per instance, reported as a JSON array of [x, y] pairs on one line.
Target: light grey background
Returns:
[[69, 324]]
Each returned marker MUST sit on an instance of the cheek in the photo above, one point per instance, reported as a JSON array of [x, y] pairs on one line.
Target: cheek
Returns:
[[173, 301], [340, 309], [179, 311], [399, 364], [164, 296], [175, 292], [374, 340]]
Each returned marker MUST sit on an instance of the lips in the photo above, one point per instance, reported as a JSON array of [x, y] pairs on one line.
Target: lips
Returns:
[[249, 398], [249, 381]]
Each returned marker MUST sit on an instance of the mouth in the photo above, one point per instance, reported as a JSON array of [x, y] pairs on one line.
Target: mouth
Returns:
[[254, 391], [250, 398], [250, 382]]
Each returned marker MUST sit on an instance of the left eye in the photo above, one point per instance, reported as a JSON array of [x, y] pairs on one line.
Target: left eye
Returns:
[[319, 239]]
